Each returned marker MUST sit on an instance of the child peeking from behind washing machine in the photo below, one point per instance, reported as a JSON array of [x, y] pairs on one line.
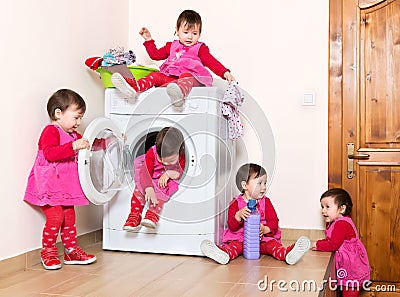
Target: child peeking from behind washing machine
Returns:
[[53, 183], [156, 178], [251, 180]]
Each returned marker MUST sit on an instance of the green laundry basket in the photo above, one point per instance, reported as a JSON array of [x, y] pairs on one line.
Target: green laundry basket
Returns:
[[137, 71]]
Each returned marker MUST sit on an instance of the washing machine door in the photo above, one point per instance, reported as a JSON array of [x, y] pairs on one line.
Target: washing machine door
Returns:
[[103, 169]]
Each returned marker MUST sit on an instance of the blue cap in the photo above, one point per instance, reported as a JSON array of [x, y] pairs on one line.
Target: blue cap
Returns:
[[251, 204]]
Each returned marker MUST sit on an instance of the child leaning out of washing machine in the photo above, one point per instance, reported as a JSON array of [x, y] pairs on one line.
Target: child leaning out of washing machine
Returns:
[[251, 180], [53, 183], [156, 178], [185, 65]]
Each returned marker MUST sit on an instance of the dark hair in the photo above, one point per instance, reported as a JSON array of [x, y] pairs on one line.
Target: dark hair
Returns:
[[190, 18], [341, 198], [247, 171], [62, 99], [169, 141]]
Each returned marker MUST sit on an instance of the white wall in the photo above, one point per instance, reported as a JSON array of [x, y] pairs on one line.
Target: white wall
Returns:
[[43, 47], [276, 50]]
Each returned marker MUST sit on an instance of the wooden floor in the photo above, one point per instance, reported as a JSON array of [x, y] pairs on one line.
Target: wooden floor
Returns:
[[120, 274]]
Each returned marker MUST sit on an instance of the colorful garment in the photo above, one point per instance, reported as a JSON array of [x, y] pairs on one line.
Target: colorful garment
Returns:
[[233, 98], [117, 56], [148, 170], [268, 217], [351, 257], [204, 55], [54, 178], [183, 59]]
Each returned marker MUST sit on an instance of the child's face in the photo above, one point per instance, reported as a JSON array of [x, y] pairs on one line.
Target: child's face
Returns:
[[330, 211], [256, 187], [188, 36], [170, 160], [69, 119]]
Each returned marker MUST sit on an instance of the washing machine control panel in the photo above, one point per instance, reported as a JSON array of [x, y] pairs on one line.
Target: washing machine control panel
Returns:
[[156, 101]]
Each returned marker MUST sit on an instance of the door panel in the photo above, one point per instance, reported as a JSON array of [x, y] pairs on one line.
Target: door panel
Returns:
[[379, 83], [368, 98], [380, 219], [379, 136]]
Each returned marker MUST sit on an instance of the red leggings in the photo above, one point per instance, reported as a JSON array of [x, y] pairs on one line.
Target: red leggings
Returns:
[[137, 204], [273, 247], [59, 218], [156, 79], [350, 292]]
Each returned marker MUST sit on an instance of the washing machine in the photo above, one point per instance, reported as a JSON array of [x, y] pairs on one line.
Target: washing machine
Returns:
[[198, 210]]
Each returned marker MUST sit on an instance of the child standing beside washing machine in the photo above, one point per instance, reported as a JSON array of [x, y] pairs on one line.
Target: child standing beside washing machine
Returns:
[[53, 183], [185, 65], [156, 178]]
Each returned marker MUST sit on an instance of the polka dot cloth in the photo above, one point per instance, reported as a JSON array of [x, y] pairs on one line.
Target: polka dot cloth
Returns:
[[233, 98]]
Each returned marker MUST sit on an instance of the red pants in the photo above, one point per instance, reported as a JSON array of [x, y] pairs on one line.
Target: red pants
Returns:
[[273, 247], [156, 79], [137, 204], [350, 292], [59, 218]]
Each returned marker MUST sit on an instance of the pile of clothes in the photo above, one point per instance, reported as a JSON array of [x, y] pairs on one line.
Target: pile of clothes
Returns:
[[114, 56]]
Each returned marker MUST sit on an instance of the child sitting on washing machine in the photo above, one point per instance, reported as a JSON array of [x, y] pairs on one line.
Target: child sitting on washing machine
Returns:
[[185, 67], [156, 178], [251, 180]]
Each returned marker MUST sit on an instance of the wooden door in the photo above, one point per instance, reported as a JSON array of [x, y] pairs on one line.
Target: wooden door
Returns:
[[364, 114]]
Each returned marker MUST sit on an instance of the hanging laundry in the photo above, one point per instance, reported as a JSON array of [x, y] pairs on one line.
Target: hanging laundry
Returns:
[[233, 98]]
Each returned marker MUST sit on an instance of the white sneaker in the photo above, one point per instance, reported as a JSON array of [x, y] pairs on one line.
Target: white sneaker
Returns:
[[175, 94], [148, 223], [122, 85], [210, 250], [301, 246]]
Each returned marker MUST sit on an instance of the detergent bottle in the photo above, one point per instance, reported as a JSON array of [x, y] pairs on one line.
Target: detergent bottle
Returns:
[[251, 242]]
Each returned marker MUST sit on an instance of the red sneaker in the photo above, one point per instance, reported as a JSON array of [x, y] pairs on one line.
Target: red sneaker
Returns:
[[150, 220], [76, 255], [49, 258], [133, 222]]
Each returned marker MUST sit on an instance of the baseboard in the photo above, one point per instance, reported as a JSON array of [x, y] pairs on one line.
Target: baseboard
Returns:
[[31, 258]]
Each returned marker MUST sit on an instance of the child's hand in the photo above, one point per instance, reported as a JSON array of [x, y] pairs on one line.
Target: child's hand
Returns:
[[242, 214], [229, 77], [163, 180], [145, 33], [264, 230], [314, 248], [150, 196], [80, 144]]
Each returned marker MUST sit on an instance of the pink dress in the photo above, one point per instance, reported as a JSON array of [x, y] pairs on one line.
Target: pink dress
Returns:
[[351, 258], [55, 183], [239, 234], [184, 59], [163, 194]]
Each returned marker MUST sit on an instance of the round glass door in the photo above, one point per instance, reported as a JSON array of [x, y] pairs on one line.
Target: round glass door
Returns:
[[105, 168]]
